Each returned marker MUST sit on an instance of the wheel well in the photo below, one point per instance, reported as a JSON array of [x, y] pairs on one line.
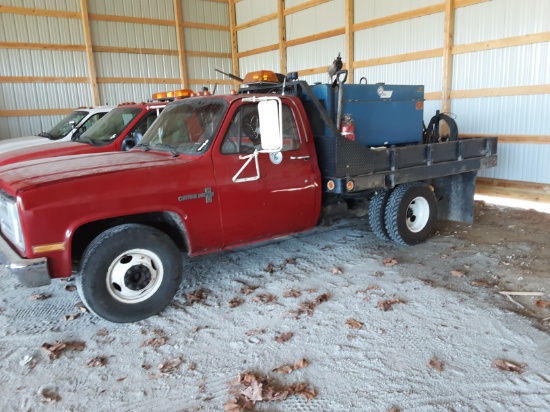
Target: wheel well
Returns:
[[167, 222]]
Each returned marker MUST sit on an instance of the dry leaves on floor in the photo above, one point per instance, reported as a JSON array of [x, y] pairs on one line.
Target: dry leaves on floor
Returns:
[[389, 262], [307, 307], [197, 296], [292, 293], [387, 304], [436, 364], [302, 363], [72, 316], [169, 366], [458, 273], [480, 284], [336, 271], [542, 303], [40, 296], [284, 337], [251, 388], [233, 303], [54, 350], [155, 342], [247, 290], [265, 298], [354, 324], [50, 396], [97, 361], [70, 288], [509, 366]]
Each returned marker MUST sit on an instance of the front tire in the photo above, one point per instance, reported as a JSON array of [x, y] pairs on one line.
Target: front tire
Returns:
[[129, 273], [411, 213]]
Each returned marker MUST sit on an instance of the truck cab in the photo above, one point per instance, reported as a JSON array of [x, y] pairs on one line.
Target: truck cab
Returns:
[[77, 122]]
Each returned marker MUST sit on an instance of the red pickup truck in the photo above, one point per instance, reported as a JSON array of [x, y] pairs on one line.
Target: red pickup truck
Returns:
[[120, 129], [218, 172]]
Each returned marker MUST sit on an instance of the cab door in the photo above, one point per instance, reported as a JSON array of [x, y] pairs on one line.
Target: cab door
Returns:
[[277, 197]]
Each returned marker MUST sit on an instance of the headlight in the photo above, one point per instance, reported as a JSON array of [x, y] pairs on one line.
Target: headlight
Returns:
[[10, 225]]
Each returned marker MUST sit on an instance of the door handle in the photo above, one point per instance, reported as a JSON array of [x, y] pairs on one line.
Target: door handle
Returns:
[[299, 157]]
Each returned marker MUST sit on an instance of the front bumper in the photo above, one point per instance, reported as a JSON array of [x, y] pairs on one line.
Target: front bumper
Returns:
[[29, 272]]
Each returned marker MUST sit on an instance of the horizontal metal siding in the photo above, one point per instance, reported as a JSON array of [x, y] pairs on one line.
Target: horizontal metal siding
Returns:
[[39, 29], [316, 54], [116, 34], [327, 16], [257, 36], [136, 65], [374, 9], [498, 19], [522, 162], [39, 63], [113, 94], [156, 9], [415, 35], [262, 61], [247, 10], [203, 40], [61, 5], [523, 115], [513, 66], [427, 72], [24, 96], [207, 12]]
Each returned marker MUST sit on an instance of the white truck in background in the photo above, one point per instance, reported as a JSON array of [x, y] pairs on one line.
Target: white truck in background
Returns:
[[72, 125]]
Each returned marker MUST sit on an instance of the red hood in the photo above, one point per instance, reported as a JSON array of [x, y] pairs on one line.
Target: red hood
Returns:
[[30, 174], [45, 150]]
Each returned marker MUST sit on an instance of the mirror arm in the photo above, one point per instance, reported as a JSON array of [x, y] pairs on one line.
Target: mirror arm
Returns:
[[237, 179]]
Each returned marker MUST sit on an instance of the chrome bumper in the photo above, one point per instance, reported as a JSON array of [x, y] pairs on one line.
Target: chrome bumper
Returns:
[[29, 272]]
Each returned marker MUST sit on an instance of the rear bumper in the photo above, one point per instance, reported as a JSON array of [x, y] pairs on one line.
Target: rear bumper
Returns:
[[29, 272]]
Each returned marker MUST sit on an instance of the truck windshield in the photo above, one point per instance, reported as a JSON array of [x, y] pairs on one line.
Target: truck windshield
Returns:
[[186, 127], [110, 126], [61, 129]]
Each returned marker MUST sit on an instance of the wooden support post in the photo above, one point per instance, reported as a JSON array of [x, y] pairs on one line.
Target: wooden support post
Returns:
[[89, 52], [282, 37], [233, 31], [448, 43], [181, 43], [350, 37]]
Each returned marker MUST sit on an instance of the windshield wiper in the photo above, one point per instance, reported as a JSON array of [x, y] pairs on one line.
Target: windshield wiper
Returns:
[[45, 134], [173, 149], [146, 146]]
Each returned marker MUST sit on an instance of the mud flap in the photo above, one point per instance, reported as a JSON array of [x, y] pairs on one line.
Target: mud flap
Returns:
[[455, 196]]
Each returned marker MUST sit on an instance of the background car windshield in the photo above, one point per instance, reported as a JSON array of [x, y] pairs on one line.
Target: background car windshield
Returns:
[[110, 126], [64, 126], [187, 127]]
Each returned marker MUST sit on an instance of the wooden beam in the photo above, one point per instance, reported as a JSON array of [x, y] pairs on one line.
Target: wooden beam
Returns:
[[536, 192], [350, 38], [34, 112], [432, 96], [138, 80], [448, 42], [208, 54], [394, 18], [181, 43], [42, 79], [129, 19], [205, 26], [514, 138], [501, 91], [234, 48], [314, 70], [399, 58], [89, 52], [134, 50], [502, 43], [282, 36], [42, 46], [315, 37], [210, 81], [304, 6], [39, 12], [259, 50], [255, 22]]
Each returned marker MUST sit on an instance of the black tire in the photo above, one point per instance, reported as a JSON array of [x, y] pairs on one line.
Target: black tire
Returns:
[[377, 211], [411, 213], [129, 272]]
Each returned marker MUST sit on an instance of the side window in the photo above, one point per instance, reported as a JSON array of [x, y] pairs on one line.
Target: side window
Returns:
[[90, 122], [243, 135], [143, 125]]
